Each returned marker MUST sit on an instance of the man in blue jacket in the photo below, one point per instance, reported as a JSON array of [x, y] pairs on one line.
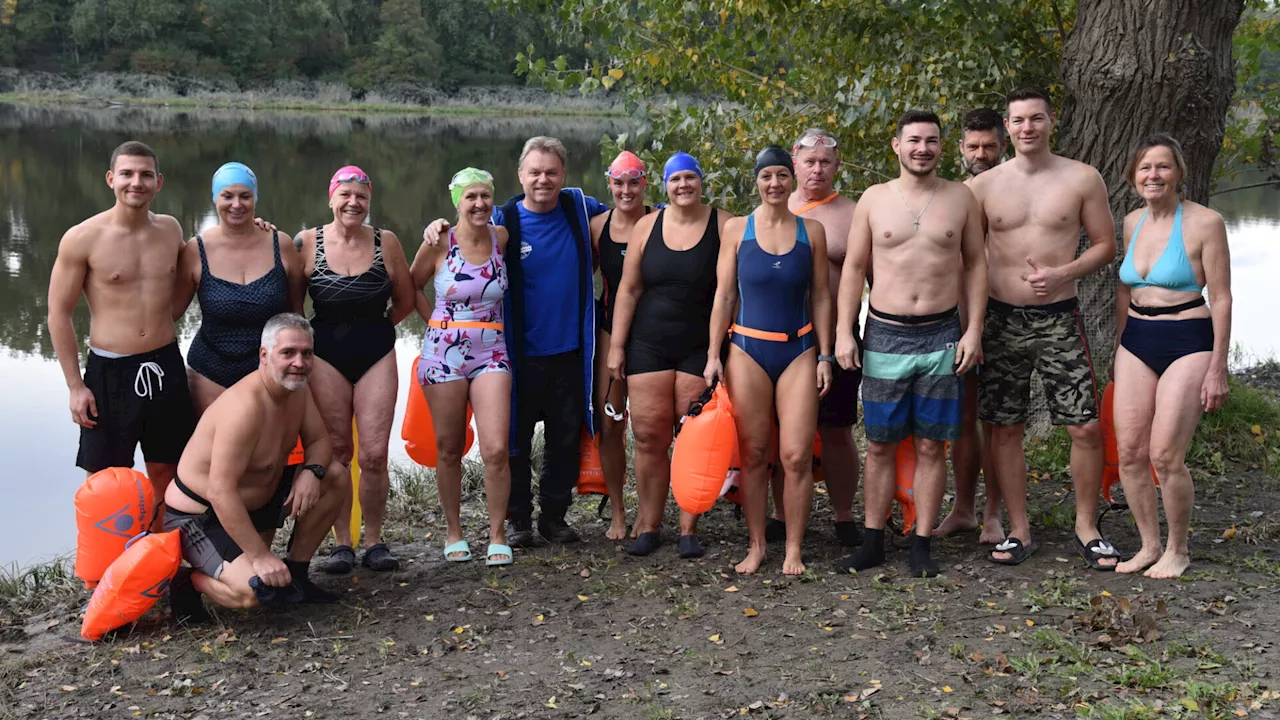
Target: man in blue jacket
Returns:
[[551, 331]]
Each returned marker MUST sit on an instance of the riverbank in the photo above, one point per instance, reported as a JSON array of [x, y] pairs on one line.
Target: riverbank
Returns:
[[132, 89], [588, 630]]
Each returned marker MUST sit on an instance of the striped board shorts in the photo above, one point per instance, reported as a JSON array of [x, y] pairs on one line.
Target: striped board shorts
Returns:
[[909, 381]]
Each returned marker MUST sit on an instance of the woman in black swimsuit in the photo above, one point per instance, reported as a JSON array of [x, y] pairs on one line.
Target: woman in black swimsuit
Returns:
[[611, 233], [660, 337], [360, 289]]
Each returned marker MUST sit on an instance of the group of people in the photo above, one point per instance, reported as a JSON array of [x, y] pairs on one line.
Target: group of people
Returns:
[[972, 287]]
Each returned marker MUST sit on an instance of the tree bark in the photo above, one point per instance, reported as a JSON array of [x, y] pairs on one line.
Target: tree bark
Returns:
[[1130, 68]]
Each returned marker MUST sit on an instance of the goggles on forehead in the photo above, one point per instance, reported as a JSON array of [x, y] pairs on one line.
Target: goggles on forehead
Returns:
[[633, 173], [351, 177], [816, 140]]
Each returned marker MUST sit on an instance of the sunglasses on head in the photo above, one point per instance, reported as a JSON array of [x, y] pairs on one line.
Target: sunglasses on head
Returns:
[[633, 173], [352, 177], [816, 140]]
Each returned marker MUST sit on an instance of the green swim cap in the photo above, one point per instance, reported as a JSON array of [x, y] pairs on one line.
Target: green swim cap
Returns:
[[465, 178]]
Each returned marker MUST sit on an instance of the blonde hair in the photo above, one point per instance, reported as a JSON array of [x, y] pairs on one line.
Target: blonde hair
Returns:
[[542, 143], [1155, 140]]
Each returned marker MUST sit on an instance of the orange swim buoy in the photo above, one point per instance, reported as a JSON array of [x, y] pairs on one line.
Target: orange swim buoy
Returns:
[[705, 446], [417, 429], [904, 488], [590, 471], [133, 583], [297, 455], [1110, 447], [112, 506]]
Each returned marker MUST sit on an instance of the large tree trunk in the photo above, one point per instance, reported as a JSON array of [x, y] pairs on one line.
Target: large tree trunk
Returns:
[[1133, 67]]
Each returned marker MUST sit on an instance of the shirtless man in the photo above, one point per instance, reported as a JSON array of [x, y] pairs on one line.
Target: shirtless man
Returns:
[[914, 351], [1034, 208], [232, 490], [124, 261], [982, 146], [817, 161]]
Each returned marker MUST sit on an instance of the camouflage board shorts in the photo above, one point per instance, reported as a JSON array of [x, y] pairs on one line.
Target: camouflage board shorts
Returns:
[[1049, 339]]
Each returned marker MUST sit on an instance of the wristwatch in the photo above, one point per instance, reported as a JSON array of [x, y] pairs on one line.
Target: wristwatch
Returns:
[[315, 468], [827, 358]]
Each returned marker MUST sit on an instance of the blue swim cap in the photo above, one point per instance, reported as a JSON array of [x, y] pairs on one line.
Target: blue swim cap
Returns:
[[679, 162], [234, 173]]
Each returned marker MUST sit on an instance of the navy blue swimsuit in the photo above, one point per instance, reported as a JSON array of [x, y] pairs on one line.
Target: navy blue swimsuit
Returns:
[[225, 348], [773, 297]]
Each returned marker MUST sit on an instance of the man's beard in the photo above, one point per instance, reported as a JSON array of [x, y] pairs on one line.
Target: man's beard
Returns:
[[918, 173], [291, 381], [973, 169]]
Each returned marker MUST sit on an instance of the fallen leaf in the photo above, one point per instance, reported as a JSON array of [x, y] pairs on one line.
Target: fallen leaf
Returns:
[[279, 640], [731, 588], [458, 630], [69, 688], [750, 612], [946, 688], [715, 638], [1229, 533], [538, 619], [429, 618], [1030, 622], [583, 598]]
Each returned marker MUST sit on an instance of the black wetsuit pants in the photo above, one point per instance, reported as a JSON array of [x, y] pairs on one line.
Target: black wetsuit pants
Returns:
[[550, 390]]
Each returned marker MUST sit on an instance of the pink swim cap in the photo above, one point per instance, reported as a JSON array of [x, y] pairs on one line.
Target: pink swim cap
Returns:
[[346, 174], [627, 165]]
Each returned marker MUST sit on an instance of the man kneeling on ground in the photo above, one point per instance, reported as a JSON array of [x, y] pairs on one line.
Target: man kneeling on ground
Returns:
[[237, 459]]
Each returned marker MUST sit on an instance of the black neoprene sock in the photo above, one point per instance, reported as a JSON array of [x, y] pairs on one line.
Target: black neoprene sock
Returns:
[[869, 555], [298, 570], [920, 560]]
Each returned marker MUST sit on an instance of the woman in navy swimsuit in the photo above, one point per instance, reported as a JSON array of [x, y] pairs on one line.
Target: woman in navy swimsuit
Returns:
[[1171, 358], [360, 290]]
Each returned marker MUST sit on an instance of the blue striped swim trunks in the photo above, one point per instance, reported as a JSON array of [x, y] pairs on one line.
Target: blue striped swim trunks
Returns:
[[909, 381]]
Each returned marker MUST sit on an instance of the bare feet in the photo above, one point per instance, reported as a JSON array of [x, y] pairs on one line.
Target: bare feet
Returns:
[[1169, 566], [1143, 560], [792, 564], [617, 528], [955, 523], [752, 562], [992, 532]]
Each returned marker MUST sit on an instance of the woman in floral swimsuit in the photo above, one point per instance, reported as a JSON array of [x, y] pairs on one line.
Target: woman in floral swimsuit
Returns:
[[464, 357]]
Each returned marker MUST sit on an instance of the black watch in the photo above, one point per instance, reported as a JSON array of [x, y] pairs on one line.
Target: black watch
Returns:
[[315, 468]]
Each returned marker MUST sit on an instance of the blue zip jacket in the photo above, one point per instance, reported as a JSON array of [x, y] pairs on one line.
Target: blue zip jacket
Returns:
[[579, 208]]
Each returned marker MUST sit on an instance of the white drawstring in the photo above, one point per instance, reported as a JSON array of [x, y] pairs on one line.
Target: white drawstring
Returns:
[[142, 383]]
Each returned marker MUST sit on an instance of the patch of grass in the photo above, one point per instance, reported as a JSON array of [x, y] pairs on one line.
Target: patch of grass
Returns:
[[1050, 454], [1260, 563], [1134, 710], [40, 586], [1230, 432], [1058, 592]]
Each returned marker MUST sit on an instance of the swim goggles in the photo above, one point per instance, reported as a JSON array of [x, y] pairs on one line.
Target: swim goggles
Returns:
[[608, 405], [351, 177], [815, 139], [633, 173]]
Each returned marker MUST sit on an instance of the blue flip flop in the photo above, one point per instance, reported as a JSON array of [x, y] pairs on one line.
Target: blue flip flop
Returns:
[[496, 549], [458, 547]]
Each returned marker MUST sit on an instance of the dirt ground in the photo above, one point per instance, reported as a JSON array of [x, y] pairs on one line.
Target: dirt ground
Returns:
[[587, 631]]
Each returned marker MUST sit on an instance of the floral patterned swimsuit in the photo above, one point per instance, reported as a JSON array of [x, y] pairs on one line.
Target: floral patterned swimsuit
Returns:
[[465, 293]]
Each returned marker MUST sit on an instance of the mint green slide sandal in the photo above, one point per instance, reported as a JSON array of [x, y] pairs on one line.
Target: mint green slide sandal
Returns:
[[497, 550], [459, 547]]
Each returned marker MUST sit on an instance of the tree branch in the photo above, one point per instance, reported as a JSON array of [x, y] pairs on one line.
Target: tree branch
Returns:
[[1250, 186]]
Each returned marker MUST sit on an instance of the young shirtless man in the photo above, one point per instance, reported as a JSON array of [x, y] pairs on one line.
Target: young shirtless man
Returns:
[[913, 232], [1034, 208], [232, 491], [134, 389]]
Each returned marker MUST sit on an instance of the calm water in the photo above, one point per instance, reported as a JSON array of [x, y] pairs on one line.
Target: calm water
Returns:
[[51, 176]]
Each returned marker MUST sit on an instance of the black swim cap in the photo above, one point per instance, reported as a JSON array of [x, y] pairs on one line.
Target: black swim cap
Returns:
[[774, 155]]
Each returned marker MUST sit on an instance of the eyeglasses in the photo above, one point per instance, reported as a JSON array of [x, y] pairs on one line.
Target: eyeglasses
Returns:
[[608, 405], [815, 140], [352, 177], [633, 173]]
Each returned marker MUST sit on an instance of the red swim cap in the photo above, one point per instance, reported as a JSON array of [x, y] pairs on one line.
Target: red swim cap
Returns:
[[627, 165]]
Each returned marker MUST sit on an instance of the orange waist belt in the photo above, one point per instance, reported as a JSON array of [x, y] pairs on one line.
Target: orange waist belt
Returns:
[[465, 324], [771, 336]]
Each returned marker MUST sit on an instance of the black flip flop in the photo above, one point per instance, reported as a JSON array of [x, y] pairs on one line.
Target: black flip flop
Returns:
[[1098, 549], [379, 558], [1016, 549], [690, 548], [341, 560]]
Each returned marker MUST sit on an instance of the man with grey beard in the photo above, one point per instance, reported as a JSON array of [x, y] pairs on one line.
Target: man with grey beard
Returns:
[[982, 146], [232, 490]]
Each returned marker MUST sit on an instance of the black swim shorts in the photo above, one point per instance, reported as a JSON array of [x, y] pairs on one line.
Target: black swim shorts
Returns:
[[206, 544], [140, 398]]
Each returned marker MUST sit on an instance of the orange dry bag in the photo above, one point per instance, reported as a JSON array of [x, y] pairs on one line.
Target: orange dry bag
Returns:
[[904, 489], [417, 430], [112, 507], [590, 472], [1110, 448], [704, 451], [133, 583]]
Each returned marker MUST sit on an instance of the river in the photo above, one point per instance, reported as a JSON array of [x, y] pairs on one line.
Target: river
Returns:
[[52, 163]]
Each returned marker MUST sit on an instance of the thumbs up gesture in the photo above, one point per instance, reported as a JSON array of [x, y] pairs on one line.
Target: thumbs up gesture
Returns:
[[1044, 280]]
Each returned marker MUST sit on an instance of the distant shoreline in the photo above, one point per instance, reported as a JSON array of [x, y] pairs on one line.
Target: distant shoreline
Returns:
[[136, 90]]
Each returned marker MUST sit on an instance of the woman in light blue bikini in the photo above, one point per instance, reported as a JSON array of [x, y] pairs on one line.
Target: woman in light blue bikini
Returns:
[[1171, 358]]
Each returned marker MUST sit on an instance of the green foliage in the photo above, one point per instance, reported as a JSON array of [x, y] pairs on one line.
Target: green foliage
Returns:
[[766, 69], [406, 51], [1254, 123]]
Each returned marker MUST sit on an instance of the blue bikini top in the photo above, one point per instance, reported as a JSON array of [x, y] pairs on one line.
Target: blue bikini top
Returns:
[[1172, 270]]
